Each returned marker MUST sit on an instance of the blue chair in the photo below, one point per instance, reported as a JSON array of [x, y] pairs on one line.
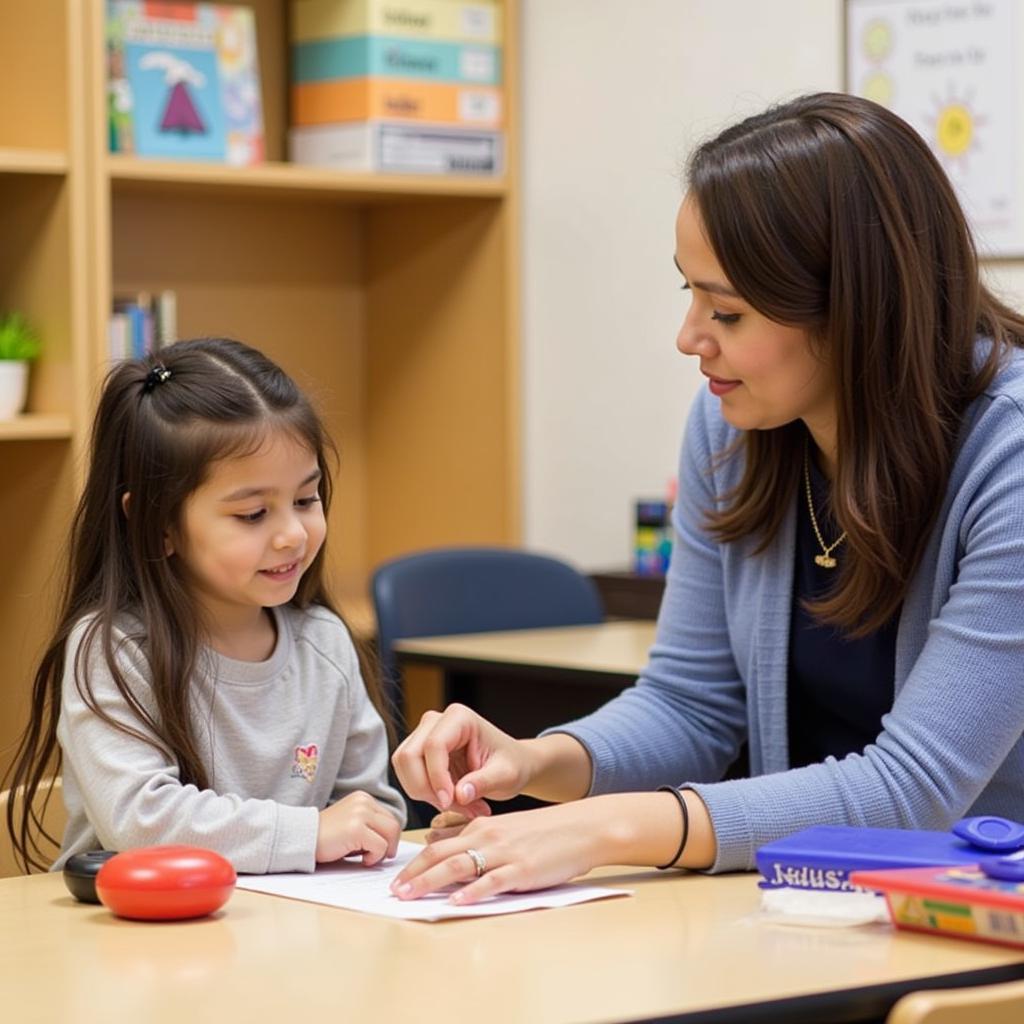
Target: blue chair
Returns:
[[474, 590]]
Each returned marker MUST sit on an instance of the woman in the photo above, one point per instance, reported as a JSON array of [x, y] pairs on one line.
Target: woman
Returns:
[[847, 584]]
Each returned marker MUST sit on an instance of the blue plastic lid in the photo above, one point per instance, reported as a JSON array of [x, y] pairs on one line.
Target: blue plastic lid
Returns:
[[990, 832], [1005, 869]]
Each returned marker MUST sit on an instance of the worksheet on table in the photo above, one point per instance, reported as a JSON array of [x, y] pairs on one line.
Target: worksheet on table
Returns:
[[350, 885]]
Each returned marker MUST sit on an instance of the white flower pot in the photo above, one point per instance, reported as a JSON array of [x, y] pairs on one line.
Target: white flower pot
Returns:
[[13, 387]]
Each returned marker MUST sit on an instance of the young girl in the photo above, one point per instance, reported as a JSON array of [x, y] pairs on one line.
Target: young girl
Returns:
[[200, 686], [845, 593]]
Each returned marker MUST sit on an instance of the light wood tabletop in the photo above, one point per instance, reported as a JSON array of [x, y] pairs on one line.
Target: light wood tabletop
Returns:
[[614, 647], [683, 944]]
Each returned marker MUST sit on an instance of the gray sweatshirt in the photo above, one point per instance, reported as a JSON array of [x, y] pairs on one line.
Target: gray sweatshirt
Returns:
[[281, 739]]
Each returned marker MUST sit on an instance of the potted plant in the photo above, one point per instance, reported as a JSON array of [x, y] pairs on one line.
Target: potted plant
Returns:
[[19, 345]]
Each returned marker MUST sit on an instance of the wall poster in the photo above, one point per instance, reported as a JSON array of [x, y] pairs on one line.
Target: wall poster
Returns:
[[951, 69]]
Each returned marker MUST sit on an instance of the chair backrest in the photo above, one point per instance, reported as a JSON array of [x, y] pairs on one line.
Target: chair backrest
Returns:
[[475, 590], [981, 1004], [54, 817]]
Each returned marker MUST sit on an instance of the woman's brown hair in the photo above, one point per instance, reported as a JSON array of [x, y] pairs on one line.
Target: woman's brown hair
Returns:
[[154, 442], [830, 213]]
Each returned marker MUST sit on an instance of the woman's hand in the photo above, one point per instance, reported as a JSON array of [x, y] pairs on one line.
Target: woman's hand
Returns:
[[457, 757], [536, 849], [518, 852], [357, 824]]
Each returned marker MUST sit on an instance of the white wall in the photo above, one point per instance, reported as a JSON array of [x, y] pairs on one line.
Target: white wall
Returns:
[[615, 93]]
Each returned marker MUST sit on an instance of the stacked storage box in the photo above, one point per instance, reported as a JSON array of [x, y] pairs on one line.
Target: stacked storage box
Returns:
[[408, 86]]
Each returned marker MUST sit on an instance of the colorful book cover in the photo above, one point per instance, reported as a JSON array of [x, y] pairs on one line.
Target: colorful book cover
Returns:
[[184, 81]]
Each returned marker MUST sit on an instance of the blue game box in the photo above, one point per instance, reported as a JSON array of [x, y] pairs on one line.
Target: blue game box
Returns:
[[822, 857]]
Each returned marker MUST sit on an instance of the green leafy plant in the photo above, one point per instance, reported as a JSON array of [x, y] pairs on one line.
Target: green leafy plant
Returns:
[[17, 339]]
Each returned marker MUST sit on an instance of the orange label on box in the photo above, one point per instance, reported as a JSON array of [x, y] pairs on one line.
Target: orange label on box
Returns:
[[359, 99]]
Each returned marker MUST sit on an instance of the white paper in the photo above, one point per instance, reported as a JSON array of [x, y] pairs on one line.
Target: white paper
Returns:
[[353, 886]]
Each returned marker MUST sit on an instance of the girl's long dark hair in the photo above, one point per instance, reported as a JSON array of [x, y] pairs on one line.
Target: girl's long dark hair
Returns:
[[154, 441], [830, 213]]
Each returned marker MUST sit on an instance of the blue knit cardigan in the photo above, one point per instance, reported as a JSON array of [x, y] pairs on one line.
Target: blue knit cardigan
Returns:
[[952, 743]]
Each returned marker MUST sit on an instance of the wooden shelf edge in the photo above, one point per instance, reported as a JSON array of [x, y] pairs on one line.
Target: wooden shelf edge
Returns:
[[285, 178], [14, 160], [38, 426]]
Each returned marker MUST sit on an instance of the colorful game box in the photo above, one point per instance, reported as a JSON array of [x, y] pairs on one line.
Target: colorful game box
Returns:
[[399, 86], [357, 99], [467, 21], [398, 148], [435, 60], [962, 902]]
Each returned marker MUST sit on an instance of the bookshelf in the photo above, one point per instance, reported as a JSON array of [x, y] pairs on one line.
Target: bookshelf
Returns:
[[393, 299], [44, 273]]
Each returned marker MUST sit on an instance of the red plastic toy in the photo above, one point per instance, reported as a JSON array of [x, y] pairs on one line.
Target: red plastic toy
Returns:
[[165, 883]]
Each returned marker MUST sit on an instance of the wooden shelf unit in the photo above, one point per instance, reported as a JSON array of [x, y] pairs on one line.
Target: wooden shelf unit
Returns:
[[393, 299], [44, 273]]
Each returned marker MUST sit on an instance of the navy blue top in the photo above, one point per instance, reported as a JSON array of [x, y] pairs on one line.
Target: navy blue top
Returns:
[[839, 688]]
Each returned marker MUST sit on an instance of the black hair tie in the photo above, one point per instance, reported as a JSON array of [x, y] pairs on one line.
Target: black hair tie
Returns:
[[686, 826], [157, 375]]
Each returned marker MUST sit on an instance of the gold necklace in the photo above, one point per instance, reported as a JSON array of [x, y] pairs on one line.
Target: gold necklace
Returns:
[[825, 559]]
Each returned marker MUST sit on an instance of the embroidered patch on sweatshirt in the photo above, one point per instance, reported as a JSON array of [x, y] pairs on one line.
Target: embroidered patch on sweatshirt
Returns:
[[304, 765]]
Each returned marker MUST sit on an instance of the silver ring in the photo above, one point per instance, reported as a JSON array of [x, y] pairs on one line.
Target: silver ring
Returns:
[[479, 862]]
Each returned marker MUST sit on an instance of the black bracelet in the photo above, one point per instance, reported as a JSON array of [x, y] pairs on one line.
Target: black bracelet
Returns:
[[686, 825]]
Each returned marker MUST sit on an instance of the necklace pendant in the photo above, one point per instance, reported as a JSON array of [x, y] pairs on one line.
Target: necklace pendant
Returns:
[[825, 561]]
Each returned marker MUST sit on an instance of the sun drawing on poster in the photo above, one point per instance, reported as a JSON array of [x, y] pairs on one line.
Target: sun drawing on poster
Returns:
[[877, 41], [954, 128]]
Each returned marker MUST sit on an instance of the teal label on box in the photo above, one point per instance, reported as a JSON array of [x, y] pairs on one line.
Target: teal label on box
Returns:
[[323, 60]]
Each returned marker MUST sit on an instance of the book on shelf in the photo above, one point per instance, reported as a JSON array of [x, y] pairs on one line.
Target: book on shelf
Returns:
[[183, 81], [141, 324]]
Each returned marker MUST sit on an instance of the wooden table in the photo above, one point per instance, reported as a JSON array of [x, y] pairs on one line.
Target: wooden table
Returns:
[[524, 680], [690, 947]]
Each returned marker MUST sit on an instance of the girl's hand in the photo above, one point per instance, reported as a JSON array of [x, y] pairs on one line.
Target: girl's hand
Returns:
[[357, 824], [458, 757], [521, 851]]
